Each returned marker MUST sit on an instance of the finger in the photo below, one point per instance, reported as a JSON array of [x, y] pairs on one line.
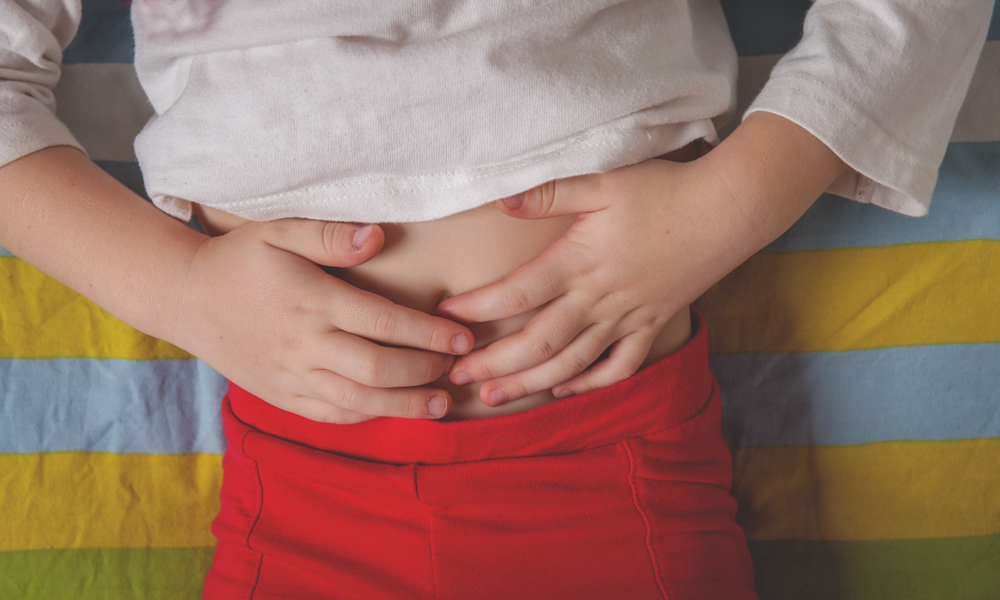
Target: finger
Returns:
[[571, 361], [569, 196], [548, 332], [371, 316], [627, 355], [342, 394], [325, 242], [529, 286], [373, 365], [321, 411]]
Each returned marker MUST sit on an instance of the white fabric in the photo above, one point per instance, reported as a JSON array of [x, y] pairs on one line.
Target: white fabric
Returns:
[[424, 108], [416, 109], [881, 83], [33, 34]]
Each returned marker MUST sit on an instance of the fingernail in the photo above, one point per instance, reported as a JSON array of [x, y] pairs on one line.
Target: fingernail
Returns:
[[460, 344], [497, 397], [462, 378], [565, 394], [514, 202], [437, 406], [361, 235]]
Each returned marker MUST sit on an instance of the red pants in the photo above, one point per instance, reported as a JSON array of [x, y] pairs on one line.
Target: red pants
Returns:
[[619, 493]]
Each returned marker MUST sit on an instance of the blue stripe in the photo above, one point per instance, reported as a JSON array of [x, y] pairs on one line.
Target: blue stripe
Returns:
[[921, 393], [840, 398], [119, 406], [105, 34], [966, 206]]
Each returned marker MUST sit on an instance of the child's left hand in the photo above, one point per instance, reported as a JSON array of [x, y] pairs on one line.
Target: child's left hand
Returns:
[[645, 245], [650, 238]]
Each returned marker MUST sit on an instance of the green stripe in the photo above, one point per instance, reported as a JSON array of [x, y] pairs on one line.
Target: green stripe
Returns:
[[966, 568], [103, 573], [953, 568]]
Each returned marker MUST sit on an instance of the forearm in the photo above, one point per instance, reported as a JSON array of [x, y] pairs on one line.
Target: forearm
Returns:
[[64, 215], [763, 177]]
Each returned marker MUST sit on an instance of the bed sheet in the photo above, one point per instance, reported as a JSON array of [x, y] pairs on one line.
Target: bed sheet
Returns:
[[858, 355]]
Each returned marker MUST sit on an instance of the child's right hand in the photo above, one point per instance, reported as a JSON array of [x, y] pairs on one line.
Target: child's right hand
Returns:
[[251, 303], [257, 308]]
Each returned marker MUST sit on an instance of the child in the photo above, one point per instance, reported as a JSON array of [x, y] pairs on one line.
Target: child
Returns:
[[619, 491]]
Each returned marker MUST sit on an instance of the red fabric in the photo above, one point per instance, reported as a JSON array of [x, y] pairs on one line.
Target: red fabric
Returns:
[[620, 493]]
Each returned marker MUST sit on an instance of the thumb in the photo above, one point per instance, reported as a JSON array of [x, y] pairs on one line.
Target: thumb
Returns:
[[570, 196], [326, 243]]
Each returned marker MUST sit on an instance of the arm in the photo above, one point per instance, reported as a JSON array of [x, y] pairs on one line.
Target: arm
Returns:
[[656, 235], [253, 303], [881, 83], [877, 84]]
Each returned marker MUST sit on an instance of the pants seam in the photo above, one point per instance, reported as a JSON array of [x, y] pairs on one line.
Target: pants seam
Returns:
[[260, 510], [430, 529], [645, 519], [430, 535]]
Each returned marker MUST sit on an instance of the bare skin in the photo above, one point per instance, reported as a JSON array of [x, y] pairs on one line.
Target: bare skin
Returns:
[[649, 239], [422, 264]]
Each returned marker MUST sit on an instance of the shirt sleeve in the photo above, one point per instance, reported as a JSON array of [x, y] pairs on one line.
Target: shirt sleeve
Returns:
[[33, 34], [881, 83]]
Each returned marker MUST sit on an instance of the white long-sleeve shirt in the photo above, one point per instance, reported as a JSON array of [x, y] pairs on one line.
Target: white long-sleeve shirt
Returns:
[[420, 109]]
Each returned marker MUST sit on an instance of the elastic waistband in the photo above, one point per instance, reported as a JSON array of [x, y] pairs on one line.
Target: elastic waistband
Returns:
[[661, 396]]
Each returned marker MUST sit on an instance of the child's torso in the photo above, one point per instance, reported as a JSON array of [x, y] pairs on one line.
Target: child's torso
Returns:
[[423, 263], [406, 111]]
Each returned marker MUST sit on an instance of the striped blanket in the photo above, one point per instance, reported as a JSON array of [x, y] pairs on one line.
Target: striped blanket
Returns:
[[859, 358]]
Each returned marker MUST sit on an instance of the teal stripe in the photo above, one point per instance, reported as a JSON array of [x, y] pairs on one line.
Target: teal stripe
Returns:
[[943, 392], [105, 34], [994, 31], [119, 406], [933, 569], [128, 173], [105, 573], [763, 27], [760, 27], [966, 206]]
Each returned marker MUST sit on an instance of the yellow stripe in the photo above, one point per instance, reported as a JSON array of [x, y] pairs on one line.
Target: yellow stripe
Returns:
[[41, 318], [858, 298], [823, 300], [89, 500], [884, 491], [891, 490]]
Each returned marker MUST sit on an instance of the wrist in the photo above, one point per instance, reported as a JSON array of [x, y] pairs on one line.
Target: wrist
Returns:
[[68, 218], [770, 170]]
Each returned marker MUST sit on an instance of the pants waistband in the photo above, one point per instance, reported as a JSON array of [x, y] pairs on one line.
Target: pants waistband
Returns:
[[661, 396]]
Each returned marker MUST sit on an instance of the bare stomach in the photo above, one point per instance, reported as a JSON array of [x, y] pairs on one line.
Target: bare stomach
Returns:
[[423, 263]]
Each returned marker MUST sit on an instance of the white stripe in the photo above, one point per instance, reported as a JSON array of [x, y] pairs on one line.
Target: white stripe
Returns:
[[104, 106], [978, 121]]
